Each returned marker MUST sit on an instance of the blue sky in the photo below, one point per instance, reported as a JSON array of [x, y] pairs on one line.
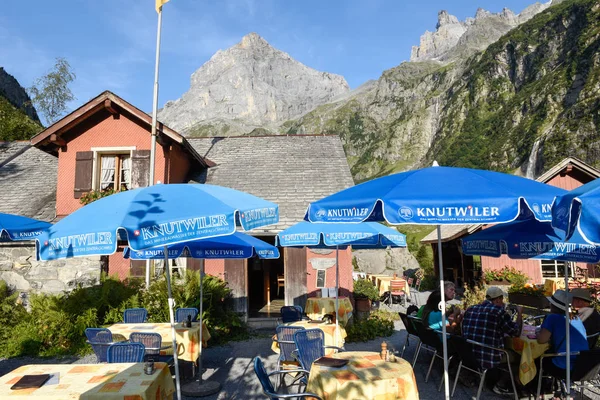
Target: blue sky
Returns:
[[111, 43]]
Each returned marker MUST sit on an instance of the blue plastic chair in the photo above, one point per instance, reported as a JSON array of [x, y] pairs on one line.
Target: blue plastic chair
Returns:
[[310, 344], [299, 309], [182, 314], [100, 339], [126, 353], [135, 315], [153, 345], [290, 314], [269, 390]]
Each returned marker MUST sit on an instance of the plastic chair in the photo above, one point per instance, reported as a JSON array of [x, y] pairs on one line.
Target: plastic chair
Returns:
[[586, 369], [182, 314], [592, 340], [299, 309], [269, 390], [290, 314], [100, 339], [397, 288], [431, 341], [152, 344], [465, 352], [126, 353], [135, 315], [411, 333], [311, 345]]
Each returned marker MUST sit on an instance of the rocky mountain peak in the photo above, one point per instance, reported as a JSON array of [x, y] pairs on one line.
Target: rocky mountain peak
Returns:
[[250, 85], [12, 90], [445, 19]]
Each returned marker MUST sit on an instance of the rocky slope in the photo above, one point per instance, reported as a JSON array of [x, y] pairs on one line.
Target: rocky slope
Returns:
[[250, 85], [526, 101], [18, 117]]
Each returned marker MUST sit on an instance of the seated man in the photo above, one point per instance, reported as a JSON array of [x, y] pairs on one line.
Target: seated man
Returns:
[[449, 294], [487, 323], [553, 330], [582, 302]]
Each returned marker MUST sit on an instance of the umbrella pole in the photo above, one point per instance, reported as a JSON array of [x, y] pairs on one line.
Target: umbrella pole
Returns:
[[567, 331], [202, 388], [172, 317], [337, 295], [443, 310]]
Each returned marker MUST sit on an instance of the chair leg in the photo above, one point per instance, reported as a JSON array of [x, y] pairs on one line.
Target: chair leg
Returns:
[[416, 354], [512, 381], [430, 366], [539, 390], [481, 384], [456, 379], [444, 375], [406, 344]]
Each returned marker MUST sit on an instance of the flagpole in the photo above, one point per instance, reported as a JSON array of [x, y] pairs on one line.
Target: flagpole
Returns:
[[154, 112]]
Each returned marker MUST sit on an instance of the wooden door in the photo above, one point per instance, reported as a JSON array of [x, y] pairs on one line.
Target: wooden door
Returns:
[[295, 276], [236, 275]]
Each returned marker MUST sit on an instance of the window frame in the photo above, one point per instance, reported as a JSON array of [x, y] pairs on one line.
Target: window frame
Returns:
[[558, 266], [107, 151], [324, 278]]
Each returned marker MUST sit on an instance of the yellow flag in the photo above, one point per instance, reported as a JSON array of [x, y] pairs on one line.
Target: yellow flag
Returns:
[[159, 4]]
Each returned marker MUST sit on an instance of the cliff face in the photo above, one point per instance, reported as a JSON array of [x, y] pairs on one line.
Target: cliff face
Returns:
[[250, 85], [522, 104], [18, 118]]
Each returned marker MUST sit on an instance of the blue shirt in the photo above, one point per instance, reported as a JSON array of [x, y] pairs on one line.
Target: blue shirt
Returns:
[[434, 320], [555, 323]]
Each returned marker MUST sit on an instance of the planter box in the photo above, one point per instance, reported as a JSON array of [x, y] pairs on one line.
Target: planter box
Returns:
[[497, 283], [363, 305], [530, 301]]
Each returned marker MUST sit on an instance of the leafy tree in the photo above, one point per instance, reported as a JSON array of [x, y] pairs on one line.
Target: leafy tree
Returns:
[[51, 93]]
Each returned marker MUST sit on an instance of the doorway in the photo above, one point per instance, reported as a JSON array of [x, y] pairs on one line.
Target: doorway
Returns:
[[266, 289]]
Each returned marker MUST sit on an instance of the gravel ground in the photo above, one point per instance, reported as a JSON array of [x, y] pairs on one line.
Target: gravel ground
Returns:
[[231, 365]]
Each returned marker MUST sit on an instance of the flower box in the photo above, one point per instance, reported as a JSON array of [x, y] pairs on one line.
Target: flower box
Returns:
[[527, 300]]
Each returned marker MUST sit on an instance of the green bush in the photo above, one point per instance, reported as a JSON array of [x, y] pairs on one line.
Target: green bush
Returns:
[[368, 329], [56, 323], [364, 289]]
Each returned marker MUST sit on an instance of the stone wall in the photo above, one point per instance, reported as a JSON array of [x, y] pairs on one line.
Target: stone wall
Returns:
[[20, 270]]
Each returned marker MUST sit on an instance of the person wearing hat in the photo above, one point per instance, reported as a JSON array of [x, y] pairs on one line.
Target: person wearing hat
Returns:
[[488, 323], [582, 302], [553, 331]]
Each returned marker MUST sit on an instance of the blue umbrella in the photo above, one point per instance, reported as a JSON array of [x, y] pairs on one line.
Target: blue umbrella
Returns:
[[236, 246], [579, 210], [438, 196], [158, 215], [529, 239], [319, 235], [21, 228], [538, 240]]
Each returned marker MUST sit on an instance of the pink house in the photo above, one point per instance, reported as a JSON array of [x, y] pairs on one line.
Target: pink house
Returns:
[[105, 144]]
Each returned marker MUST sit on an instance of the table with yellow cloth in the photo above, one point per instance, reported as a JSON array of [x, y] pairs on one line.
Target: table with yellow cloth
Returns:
[[553, 284], [334, 336], [93, 381], [529, 349], [187, 338], [365, 376], [317, 307]]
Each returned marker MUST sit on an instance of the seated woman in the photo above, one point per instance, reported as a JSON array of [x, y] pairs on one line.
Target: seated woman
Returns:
[[432, 316], [553, 330]]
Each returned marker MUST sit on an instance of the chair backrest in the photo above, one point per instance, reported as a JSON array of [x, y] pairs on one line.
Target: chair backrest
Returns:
[[100, 339], [290, 314], [263, 377], [151, 341], [397, 285], [285, 337], [428, 336], [135, 315], [587, 366], [299, 309], [465, 352], [592, 340], [126, 353], [410, 328], [182, 314], [311, 345]]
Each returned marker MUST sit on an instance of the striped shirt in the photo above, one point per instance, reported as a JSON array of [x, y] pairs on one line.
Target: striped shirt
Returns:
[[487, 323]]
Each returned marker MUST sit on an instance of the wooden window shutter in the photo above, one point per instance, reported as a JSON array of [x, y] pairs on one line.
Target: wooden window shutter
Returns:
[[140, 168], [84, 161]]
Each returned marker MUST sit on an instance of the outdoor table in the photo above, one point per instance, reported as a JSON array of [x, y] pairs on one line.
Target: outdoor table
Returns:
[[552, 284], [317, 307], [92, 381], [333, 336], [187, 338], [366, 376], [529, 349]]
